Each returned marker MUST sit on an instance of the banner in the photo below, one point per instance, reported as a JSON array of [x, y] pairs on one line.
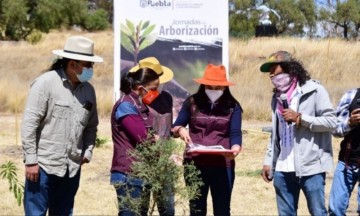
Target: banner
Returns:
[[184, 35]]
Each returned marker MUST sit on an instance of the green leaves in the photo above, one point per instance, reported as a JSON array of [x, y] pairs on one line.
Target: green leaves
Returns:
[[136, 38], [8, 172], [100, 141], [20, 18], [163, 177]]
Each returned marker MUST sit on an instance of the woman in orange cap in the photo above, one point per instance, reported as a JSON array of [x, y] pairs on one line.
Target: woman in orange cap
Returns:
[[214, 118]]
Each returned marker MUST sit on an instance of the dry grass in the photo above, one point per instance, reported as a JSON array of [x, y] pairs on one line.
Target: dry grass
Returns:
[[335, 63], [251, 195]]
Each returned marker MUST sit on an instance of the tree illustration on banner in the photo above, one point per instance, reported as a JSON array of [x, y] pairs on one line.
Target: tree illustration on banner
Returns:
[[136, 38]]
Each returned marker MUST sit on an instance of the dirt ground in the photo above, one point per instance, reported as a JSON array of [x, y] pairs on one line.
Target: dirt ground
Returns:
[[251, 195]]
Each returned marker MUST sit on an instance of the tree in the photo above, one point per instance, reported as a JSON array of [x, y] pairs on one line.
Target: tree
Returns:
[[96, 21], [308, 10], [47, 15], [14, 23], [243, 20], [346, 15], [26, 19], [73, 12], [108, 6], [295, 16]]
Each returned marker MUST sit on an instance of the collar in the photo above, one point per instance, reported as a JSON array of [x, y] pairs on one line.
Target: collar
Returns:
[[64, 78], [62, 74], [309, 86], [134, 95]]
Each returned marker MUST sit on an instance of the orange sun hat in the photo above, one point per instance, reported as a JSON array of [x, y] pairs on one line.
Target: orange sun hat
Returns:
[[214, 75]]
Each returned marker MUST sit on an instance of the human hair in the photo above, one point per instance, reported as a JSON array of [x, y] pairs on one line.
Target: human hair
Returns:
[[295, 68], [141, 77], [227, 100], [59, 63]]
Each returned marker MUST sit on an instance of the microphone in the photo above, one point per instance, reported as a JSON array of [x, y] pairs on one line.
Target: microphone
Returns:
[[283, 98]]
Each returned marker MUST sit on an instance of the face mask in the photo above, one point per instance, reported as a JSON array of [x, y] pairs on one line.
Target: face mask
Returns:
[[282, 82], [150, 96], [86, 74], [214, 95]]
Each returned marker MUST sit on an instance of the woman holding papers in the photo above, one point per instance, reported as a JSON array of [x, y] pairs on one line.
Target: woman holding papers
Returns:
[[214, 118]]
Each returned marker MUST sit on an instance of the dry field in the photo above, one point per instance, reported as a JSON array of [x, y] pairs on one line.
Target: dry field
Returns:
[[335, 63], [251, 195]]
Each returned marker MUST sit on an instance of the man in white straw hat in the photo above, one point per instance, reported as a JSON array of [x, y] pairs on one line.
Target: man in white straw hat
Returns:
[[59, 129]]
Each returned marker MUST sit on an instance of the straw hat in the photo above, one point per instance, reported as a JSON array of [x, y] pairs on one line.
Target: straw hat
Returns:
[[165, 73], [79, 48], [214, 75]]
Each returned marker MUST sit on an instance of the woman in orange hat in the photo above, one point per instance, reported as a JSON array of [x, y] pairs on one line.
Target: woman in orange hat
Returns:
[[214, 119]]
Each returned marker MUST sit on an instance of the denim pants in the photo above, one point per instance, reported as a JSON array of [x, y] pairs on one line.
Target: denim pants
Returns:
[[135, 188], [50, 192], [220, 181], [288, 186], [343, 184]]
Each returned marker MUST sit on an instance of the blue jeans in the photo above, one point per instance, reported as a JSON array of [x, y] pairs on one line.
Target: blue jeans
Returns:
[[288, 186], [136, 188], [343, 184], [220, 181], [50, 192]]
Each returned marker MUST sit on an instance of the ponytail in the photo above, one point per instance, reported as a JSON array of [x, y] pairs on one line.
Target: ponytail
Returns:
[[59, 63], [127, 82], [141, 77]]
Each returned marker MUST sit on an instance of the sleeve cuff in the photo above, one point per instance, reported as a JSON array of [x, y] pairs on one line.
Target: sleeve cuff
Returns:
[[305, 120], [268, 161], [31, 159], [88, 155], [235, 145]]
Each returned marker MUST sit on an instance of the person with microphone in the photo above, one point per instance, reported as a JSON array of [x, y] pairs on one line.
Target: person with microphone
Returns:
[[299, 152]]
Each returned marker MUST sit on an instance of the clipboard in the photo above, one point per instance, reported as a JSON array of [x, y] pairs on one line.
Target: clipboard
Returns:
[[214, 149], [210, 151]]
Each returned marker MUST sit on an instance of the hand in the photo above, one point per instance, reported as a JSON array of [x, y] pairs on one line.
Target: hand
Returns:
[[184, 134], [32, 172], [290, 115], [176, 159], [231, 156], [266, 173], [354, 117], [84, 160]]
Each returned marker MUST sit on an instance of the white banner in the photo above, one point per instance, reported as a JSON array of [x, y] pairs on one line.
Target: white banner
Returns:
[[184, 35]]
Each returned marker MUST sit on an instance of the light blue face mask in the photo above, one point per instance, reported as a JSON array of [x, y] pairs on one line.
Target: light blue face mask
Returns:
[[86, 75]]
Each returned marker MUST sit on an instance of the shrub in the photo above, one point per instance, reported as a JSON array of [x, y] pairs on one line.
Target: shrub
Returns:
[[96, 21], [100, 141], [34, 37], [155, 166]]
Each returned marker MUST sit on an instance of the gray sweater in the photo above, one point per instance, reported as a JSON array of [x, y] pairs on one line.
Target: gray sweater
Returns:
[[312, 139]]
